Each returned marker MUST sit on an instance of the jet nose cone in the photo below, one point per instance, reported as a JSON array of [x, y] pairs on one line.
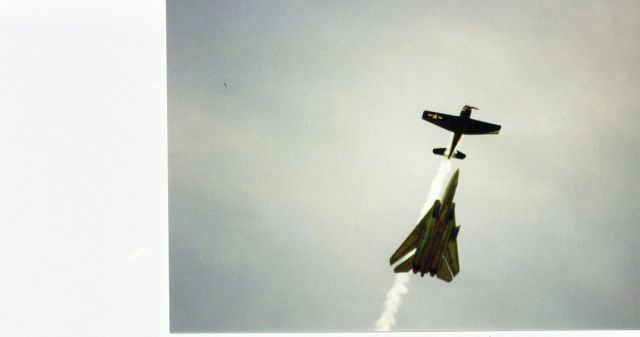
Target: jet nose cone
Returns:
[[455, 175], [453, 182]]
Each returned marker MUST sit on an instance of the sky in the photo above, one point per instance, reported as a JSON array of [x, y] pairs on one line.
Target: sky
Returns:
[[290, 187]]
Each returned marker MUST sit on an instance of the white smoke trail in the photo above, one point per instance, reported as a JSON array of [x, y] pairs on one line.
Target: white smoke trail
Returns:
[[399, 288], [436, 186], [391, 305]]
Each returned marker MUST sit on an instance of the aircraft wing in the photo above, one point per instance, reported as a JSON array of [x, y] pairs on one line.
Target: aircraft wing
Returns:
[[412, 240], [405, 266], [444, 271], [449, 265], [451, 249], [475, 127], [451, 255], [444, 121], [409, 243]]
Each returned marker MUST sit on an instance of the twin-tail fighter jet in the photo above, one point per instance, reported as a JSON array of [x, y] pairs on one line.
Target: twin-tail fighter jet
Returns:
[[434, 240], [459, 125]]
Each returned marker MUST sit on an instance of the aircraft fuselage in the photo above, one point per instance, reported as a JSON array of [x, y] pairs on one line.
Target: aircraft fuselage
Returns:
[[438, 231], [465, 115]]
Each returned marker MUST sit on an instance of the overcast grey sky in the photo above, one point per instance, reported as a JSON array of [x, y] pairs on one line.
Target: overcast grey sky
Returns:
[[290, 188]]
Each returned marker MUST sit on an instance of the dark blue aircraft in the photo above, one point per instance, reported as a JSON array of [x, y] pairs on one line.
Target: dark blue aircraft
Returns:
[[459, 125]]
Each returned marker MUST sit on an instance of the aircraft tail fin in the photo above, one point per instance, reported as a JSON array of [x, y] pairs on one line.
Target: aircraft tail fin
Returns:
[[405, 266], [441, 151]]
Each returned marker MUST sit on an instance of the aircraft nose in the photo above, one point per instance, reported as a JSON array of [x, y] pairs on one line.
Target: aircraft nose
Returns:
[[453, 183]]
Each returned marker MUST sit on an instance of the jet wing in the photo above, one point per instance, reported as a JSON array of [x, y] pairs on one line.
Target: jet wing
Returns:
[[405, 266], [444, 121], [451, 249], [409, 243], [412, 240], [444, 272], [474, 127], [451, 255], [449, 267]]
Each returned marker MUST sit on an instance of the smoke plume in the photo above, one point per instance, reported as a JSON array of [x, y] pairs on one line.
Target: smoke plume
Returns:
[[400, 286]]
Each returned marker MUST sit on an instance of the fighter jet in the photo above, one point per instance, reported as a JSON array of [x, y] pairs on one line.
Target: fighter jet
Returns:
[[459, 125], [434, 240]]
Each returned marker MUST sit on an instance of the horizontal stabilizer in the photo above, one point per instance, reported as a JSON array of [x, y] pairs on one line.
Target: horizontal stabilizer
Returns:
[[459, 155], [405, 266], [441, 151]]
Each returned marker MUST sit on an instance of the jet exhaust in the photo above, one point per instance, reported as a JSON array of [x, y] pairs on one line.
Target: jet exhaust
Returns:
[[400, 287]]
